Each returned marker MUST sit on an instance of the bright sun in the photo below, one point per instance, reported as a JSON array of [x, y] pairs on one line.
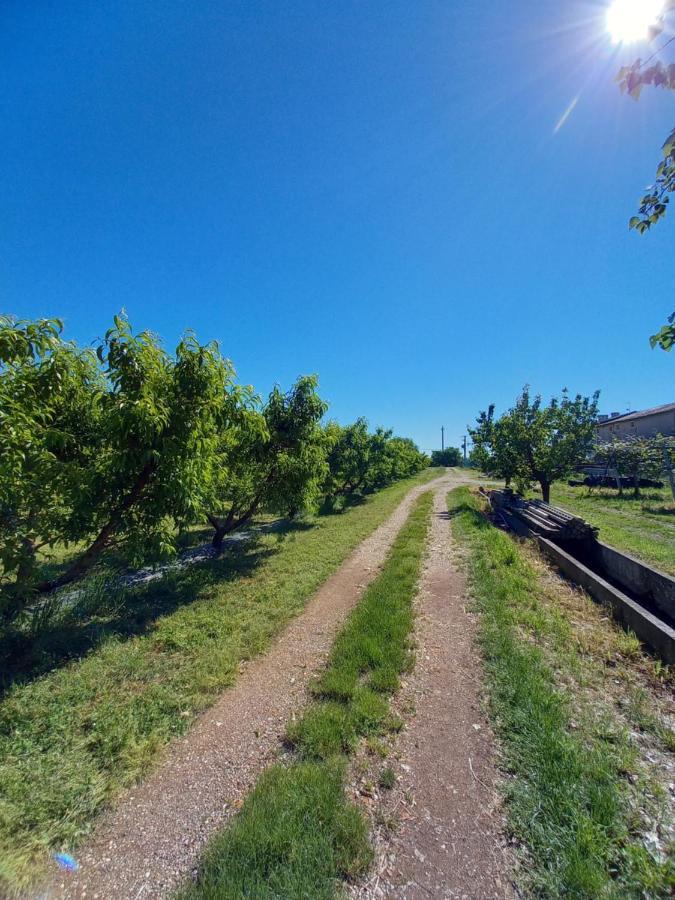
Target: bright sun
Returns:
[[629, 20]]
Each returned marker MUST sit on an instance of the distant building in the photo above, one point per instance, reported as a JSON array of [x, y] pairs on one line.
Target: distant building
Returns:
[[645, 423]]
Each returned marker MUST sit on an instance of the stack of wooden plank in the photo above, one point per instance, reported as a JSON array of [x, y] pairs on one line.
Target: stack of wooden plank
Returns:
[[542, 518]]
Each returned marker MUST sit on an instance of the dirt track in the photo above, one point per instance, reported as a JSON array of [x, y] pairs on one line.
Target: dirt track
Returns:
[[153, 837]]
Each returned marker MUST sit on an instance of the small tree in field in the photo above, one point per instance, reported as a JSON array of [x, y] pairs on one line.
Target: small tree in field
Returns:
[[493, 449], [273, 459], [536, 442], [551, 440]]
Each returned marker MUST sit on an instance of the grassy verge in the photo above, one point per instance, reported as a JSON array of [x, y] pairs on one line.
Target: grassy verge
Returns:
[[297, 834], [71, 738], [643, 526], [568, 794]]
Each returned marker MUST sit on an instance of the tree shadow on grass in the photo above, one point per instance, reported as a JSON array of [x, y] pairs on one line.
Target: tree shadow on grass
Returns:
[[626, 497], [661, 511], [335, 506], [103, 609]]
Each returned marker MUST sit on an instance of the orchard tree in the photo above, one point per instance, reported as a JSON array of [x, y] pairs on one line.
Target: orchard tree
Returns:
[[273, 459], [161, 421], [393, 458], [408, 459], [50, 444], [348, 458], [385, 458], [119, 446], [360, 462], [654, 203]]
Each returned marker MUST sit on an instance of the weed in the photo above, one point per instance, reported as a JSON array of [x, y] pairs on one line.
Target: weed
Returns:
[[387, 778], [368, 656]]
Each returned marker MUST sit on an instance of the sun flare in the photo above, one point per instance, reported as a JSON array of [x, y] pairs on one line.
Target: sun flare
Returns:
[[630, 20]]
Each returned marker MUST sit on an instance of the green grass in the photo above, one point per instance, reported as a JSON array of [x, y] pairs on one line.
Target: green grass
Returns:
[[644, 526], [72, 737], [297, 835], [567, 796]]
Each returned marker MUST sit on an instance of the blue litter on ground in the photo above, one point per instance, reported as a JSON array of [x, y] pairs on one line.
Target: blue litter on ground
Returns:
[[66, 861]]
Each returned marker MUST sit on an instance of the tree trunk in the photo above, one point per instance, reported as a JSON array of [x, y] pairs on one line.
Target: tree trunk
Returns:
[[26, 567], [220, 528], [81, 566], [231, 523], [218, 536], [15, 596], [545, 491]]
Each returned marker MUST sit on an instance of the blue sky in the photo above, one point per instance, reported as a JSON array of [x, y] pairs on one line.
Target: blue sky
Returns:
[[372, 191]]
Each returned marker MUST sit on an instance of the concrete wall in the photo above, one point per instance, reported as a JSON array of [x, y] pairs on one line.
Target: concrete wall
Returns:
[[638, 578], [656, 634]]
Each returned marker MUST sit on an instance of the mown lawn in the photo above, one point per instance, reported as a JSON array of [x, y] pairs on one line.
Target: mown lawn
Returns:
[[297, 834], [72, 737], [643, 526], [576, 792]]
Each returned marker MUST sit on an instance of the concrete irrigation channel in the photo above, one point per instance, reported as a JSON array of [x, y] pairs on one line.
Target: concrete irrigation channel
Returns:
[[641, 597]]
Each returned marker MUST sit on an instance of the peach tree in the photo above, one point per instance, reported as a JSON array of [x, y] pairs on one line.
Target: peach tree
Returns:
[[115, 447]]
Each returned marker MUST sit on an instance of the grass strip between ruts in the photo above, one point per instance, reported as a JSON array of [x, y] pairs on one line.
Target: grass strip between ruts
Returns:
[[566, 802], [297, 833]]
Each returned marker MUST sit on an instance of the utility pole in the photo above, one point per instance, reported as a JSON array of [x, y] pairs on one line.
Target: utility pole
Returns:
[[442, 437], [464, 446]]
